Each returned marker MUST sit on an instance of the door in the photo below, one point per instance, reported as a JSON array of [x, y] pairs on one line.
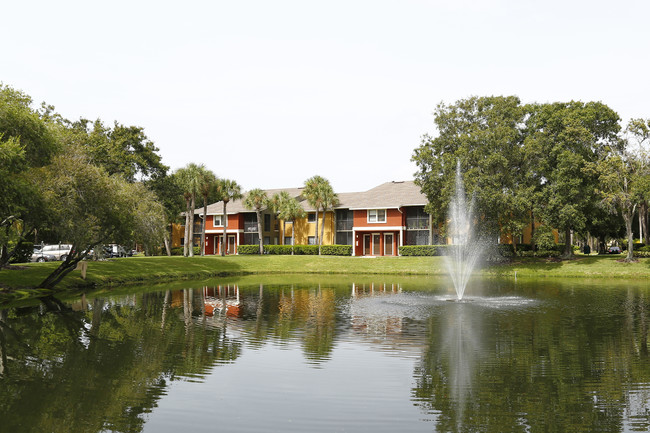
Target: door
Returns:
[[366, 245], [231, 244], [376, 244], [388, 244]]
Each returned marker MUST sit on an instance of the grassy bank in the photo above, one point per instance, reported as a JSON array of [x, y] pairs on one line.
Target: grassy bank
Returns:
[[20, 280]]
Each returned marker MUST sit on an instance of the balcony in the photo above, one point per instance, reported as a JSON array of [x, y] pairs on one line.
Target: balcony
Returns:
[[250, 227], [344, 225]]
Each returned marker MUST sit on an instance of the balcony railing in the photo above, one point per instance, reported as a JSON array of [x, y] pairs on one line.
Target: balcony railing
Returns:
[[250, 227]]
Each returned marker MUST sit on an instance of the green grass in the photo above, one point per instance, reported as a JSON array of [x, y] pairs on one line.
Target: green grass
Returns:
[[19, 281]]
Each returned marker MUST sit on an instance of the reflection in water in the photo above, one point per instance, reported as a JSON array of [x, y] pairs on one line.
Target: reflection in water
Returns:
[[327, 357]]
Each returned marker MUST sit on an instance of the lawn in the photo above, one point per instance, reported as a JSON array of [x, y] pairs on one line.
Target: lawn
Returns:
[[20, 280]]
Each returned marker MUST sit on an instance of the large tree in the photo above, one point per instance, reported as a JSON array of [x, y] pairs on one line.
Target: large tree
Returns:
[[27, 142], [485, 135], [563, 139], [88, 207], [257, 199], [228, 190]]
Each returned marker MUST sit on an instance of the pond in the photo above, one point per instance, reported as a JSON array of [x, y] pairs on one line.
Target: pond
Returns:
[[348, 354]]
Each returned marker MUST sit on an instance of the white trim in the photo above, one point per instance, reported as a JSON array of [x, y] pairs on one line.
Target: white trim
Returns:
[[374, 228], [219, 231]]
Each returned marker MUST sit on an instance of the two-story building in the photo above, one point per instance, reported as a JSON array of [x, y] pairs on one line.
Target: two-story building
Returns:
[[375, 222]]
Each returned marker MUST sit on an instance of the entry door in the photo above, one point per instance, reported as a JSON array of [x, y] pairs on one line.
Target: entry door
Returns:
[[231, 244], [376, 244], [388, 244], [366, 245]]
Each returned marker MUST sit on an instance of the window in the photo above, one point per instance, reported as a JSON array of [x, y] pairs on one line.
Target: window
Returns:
[[267, 222], [377, 215], [251, 239], [287, 240], [218, 220], [311, 240], [311, 217], [344, 238]]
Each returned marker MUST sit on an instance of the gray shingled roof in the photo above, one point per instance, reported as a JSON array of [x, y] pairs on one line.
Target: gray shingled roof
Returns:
[[389, 195]]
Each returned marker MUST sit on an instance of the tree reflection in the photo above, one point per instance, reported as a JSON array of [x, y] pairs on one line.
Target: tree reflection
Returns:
[[107, 374]]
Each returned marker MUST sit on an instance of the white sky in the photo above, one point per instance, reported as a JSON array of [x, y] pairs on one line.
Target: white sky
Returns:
[[270, 93]]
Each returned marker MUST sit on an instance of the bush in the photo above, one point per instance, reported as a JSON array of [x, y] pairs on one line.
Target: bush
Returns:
[[417, 250], [547, 253], [643, 248], [524, 247], [643, 252], [178, 251], [336, 250], [248, 249], [305, 250], [277, 249]]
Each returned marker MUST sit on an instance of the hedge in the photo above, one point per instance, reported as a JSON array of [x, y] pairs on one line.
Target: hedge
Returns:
[[248, 249], [277, 249], [178, 251], [417, 250], [336, 250]]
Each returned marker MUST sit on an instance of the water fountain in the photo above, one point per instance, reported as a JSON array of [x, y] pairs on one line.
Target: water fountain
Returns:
[[466, 248]]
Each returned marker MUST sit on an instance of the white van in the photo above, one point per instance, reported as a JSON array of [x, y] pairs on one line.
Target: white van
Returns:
[[59, 251]]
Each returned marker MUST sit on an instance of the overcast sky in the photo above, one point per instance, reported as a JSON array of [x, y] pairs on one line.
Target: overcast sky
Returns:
[[271, 92]]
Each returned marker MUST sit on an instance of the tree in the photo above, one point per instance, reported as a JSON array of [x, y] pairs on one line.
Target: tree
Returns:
[[319, 194], [189, 179], [563, 140], [207, 189], [227, 190], [88, 207], [170, 195], [291, 210], [329, 200], [122, 149], [257, 199], [637, 135], [150, 221], [27, 142], [484, 134], [276, 203]]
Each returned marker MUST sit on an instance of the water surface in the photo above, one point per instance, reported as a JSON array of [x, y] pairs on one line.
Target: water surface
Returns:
[[328, 355]]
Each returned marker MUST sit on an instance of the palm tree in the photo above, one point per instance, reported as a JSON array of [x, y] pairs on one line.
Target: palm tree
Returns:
[[320, 194], [329, 200], [207, 189], [257, 199], [291, 210], [188, 179], [227, 190], [313, 192], [276, 203]]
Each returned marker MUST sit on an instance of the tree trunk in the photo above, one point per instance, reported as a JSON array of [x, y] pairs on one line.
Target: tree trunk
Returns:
[[224, 242], [167, 246], [643, 217], [205, 216], [259, 230], [191, 246], [187, 225], [316, 234], [568, 248], [628, 216], [293, 235], [322, 232]]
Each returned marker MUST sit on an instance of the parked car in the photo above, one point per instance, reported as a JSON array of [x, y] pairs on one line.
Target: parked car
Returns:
[[39, 256], [114, 250], [614, 250], [59, 251]]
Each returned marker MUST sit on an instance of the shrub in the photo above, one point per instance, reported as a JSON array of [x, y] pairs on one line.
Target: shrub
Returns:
[[305, 250], [277, 249], [547, 253], [248, 249], [336, 250], [417, 250], [642, 252], [178, 251], [645, 248], [524, 247]]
